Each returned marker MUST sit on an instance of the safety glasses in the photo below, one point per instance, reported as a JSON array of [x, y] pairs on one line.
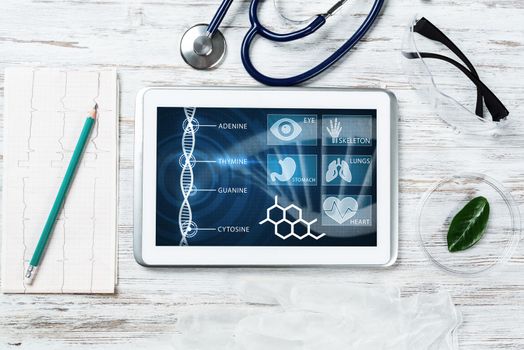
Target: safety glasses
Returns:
[[450, 84]]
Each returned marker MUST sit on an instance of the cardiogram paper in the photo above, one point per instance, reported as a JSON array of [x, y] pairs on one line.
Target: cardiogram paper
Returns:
[[45, 110]]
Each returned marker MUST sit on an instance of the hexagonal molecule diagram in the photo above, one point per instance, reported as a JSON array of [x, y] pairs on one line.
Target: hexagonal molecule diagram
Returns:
[[288, 222]]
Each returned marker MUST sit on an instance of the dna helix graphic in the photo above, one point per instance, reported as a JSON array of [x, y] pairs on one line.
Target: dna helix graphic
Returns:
[[187, 161]]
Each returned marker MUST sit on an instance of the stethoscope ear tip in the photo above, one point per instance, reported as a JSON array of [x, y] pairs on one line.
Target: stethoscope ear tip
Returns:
[[201, 50]]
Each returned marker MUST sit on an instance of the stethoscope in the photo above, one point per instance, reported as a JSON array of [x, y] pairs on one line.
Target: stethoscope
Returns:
[[203, 46]]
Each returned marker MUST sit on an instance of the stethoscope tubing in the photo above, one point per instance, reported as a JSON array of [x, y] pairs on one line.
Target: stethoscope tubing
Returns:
[[258, 29], [218, 17]]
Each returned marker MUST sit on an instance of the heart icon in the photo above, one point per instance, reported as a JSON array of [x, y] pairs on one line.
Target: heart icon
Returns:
[[340, 210]]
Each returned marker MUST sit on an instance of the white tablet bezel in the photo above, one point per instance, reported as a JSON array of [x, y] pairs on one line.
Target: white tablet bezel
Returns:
[[148, 100]]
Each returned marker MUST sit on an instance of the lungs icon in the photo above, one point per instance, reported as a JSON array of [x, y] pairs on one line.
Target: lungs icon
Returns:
[[344, 172], [332, 171], [340, 168]]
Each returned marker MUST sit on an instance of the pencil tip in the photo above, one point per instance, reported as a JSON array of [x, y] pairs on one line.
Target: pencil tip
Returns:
[[94, 112]]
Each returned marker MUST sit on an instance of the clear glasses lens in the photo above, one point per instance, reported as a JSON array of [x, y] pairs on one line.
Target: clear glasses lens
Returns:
[[450, 92], [414, 69], [299, 11]]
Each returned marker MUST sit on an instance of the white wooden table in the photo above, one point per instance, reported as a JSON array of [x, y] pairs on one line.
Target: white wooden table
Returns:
[[141, 38]]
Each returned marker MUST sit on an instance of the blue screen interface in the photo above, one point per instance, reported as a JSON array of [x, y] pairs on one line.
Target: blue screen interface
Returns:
[[266, 177]]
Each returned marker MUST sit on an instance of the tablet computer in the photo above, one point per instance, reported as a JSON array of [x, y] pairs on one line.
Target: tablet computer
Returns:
[[265, 177]]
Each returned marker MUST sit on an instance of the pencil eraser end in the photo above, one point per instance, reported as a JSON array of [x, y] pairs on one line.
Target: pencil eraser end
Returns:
[[29, 275]]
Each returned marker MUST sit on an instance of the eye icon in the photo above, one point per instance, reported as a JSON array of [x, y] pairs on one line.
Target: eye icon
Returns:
[[286, 129]]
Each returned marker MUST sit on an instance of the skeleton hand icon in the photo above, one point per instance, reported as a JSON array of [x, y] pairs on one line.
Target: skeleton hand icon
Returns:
[[338, 168], [334, 128]]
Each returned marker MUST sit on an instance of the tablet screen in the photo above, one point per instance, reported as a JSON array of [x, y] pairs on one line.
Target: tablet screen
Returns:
[[266, 177]]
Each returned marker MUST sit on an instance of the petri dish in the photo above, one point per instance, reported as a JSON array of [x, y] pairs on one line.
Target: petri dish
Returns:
[[445, 199]]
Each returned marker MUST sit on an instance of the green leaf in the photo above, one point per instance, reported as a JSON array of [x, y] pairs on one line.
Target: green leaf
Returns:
[[468, 226]]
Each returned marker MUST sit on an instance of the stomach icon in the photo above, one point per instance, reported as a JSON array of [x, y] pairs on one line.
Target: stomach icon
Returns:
[[289, 166]]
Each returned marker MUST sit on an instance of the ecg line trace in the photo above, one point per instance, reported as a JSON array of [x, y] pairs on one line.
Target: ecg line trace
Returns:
[[24, 228], [30, 126], [63, 113], [185, 214], [335, 208]]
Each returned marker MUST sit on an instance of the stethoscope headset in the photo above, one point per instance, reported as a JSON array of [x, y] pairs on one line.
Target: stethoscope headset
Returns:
[[203, 46]]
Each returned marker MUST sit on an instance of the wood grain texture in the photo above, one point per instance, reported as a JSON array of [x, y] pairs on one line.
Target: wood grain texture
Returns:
[[140, 39]]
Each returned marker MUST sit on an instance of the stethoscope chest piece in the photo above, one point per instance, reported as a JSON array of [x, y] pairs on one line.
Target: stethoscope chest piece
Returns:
[[200, 49]]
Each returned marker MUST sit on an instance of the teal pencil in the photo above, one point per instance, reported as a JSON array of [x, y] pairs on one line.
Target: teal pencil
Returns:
[[61, 196]]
